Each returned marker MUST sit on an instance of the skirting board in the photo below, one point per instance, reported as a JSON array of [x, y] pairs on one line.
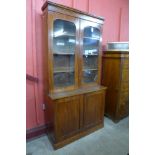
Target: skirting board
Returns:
[[35, 132]]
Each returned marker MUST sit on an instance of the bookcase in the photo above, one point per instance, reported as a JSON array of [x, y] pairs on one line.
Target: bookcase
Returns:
[[72, 73]]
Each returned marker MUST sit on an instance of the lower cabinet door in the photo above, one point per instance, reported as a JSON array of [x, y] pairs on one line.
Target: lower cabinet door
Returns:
[[67, 117], [93, 108]]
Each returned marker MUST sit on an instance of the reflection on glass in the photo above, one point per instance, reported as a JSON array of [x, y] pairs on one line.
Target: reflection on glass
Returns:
[[92, 32], [90, 54], [90, 46], [64, 39], [64, 42], [89, 76], [62, 27]]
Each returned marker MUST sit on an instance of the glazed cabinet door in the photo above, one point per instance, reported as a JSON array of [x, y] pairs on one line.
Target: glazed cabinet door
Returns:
[[63, 50], [90, 43], [67, 117], [93, 108]]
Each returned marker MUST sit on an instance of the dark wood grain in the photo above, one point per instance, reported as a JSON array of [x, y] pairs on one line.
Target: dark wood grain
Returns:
[[116, 77], [79, 91], [77, 136], [67, 117], [71, 116], [93, 108]]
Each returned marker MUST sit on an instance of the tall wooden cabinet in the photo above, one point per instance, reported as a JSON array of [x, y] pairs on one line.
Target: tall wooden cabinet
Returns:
[[115, 75], [72, 73]]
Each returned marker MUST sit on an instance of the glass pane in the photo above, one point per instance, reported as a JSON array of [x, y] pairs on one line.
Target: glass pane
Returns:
[[62, 27], [90, 54], [89, 76], [90, 62], [64, 39], [63, 79], [63, 63], [64, 43], [90, 46], [92, 32]]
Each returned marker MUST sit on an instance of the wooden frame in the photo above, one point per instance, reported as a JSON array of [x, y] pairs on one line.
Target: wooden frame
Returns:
[[80, 25], [54, 7], [51, 18], [83, 24]]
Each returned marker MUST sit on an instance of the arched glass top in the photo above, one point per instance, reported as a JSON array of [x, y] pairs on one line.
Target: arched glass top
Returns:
[[64, 43]]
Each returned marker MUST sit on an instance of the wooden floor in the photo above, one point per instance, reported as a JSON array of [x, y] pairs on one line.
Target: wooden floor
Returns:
[[113, 139]]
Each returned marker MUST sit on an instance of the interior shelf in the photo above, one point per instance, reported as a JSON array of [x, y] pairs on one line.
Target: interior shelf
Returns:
[[64, 53], [90, 69], [92, 38], [64, 35], [63, 70], [90, 54]]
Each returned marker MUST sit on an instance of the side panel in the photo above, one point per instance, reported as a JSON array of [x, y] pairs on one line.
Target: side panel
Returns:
[[111, 79], [123, 107]]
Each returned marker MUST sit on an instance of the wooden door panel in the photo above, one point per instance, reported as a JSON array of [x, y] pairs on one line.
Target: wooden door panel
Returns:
[[93, 108], [67, 117], [111, 72]]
